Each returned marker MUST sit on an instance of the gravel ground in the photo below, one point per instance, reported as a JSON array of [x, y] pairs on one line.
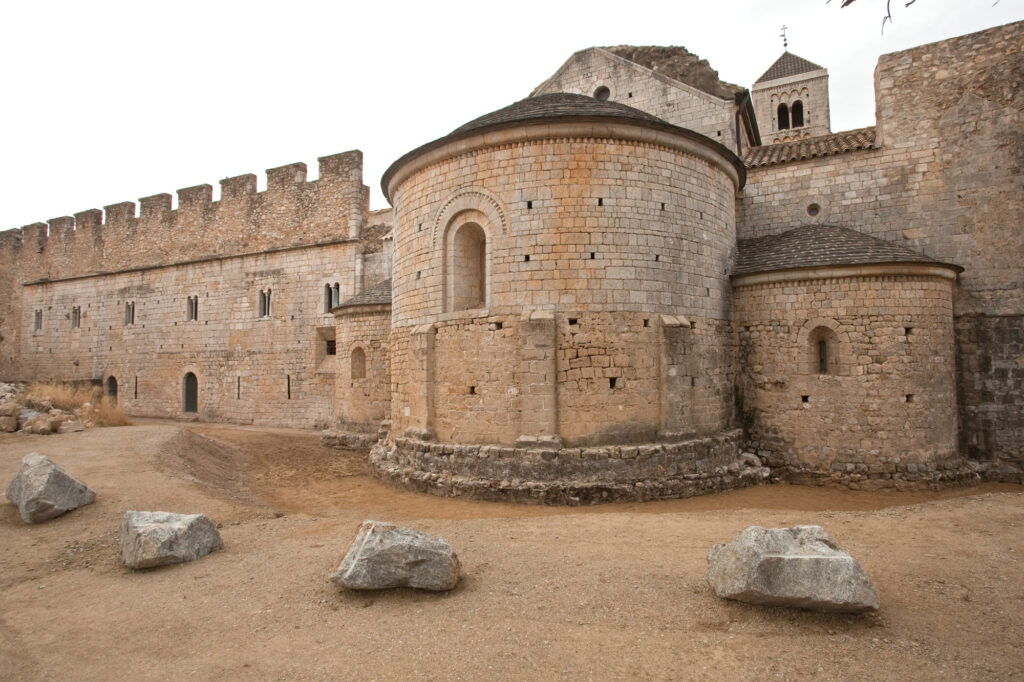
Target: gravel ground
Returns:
[[607, 592]]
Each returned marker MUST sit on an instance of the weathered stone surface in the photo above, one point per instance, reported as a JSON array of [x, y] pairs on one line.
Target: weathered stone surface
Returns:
[[70, 427], [8, 424], [151, 539], [42, 490], [797, 566], [384, 555]]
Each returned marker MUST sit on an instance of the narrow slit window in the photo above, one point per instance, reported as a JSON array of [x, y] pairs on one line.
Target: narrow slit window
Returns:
[[76, 317], [822, 356], [289, 386]]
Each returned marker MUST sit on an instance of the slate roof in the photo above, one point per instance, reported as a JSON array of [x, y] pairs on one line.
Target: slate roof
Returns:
[[378, 294], [679, 64], [821, 245], [811, 147], [556, 105], [788, 65]]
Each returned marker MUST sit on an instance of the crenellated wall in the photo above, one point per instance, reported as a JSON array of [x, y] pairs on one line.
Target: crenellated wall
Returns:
[[291, 212]]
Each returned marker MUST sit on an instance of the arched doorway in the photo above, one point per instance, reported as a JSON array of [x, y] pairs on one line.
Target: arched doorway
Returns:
[[111, 389], [191, 391]]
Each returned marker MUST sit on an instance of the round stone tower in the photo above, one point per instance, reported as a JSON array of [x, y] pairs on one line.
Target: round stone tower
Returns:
[[561, 306]]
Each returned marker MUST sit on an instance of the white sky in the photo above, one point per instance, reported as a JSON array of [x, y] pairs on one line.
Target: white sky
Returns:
[[111, 101]]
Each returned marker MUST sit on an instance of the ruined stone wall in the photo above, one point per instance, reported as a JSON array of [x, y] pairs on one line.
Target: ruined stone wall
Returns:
[[633, 85], [888, 398], [362, 402], [946, 180], [291, 212], [629, 232], [250, 368]]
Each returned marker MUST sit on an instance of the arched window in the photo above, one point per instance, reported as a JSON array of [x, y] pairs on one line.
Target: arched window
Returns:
[[467, 268], [111, 389], [783, 117], [358, 363], [823, 351], [798, 114], [328, 298], [190, 392], [336, 295]]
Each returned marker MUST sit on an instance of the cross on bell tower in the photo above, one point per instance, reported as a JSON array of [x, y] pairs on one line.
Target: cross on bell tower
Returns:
[[785, 41]]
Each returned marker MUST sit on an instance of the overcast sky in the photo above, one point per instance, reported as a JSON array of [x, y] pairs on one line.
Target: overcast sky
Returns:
[[111, 101]]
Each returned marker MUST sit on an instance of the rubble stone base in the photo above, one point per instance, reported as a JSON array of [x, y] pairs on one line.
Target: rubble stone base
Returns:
[[570, 476]]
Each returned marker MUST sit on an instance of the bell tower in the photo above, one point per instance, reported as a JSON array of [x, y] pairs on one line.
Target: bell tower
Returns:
[[791, 100]]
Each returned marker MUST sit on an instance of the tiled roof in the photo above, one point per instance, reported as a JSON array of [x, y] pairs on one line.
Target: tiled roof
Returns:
[[679, 64], [820, 245], [811, 147], [556, 105], [378, 294], [788, 65]]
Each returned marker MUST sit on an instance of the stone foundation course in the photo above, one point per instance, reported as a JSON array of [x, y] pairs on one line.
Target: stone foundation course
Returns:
[[569, 476]]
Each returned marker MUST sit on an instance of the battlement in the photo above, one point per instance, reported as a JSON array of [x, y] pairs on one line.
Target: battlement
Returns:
[[290, 212]]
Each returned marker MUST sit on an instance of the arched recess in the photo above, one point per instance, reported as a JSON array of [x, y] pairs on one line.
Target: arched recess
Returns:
[[110, 389], [357, 364], [466, 263], [825, 348], [190, 393], [479, 200]]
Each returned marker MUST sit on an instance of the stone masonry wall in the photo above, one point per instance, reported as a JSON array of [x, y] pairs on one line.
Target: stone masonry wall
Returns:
[[888, 398], [251, 369], [291, 212], [946, 180], [586, 239], [361, 403], [636, 86]]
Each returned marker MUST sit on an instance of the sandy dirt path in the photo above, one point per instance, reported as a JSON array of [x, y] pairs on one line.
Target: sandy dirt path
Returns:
[[607, 592]]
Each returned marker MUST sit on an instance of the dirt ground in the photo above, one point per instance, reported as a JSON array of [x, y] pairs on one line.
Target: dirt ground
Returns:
[[608, 592]]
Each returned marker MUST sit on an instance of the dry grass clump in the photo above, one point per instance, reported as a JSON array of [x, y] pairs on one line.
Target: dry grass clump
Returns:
[[74, 398], [67, 397], [107, 413]]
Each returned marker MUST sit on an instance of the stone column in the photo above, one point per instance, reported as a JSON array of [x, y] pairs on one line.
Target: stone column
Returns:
[[675, 376], [538, 380], [422, 389]]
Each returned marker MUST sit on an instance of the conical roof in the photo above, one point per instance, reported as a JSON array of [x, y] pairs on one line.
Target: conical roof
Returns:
[[556, 105], [788, 65]]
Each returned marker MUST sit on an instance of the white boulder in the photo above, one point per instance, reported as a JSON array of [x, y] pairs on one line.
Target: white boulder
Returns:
[[799, 567], [42, 490], [158, 538], [384, 555]]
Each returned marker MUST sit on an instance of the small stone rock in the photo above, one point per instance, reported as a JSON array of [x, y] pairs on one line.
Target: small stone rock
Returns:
[[151, 539], [799, 567], [70, 427], [384, 555], [42, 490], [8, 424]]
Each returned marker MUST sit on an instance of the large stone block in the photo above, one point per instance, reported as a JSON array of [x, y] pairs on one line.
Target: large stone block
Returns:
[[798, 567], [151, 539], [384, 555], [42, 490]]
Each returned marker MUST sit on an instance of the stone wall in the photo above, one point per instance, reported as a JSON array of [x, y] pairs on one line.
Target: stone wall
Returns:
[[362, 370], [568, 345], [946, 180], [639, 87], [888, 396], [257, 369], [291, 212]]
